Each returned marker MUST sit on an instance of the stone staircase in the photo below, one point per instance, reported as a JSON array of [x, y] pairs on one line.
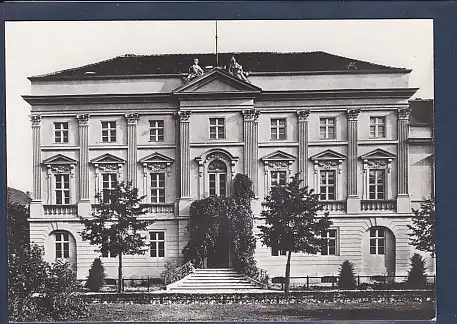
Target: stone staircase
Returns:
[[214, 280]]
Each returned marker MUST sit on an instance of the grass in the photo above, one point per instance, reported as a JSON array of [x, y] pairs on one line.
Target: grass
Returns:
[[262, 312]]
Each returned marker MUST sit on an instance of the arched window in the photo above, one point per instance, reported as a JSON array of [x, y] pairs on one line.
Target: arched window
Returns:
[[217, 175]]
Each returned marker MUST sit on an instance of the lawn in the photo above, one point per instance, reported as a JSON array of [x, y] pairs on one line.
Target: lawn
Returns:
[[262, 312]]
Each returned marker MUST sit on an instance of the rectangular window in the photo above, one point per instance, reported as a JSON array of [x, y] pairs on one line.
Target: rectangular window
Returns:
[[157, 187], [61, 132], [376, 184], [218, 184], [108, 184], [109, 132], [377, 127], [157, 244], [276, 251], [327, 128], [278, 129], [377, 241], [278, 178], [62, 245], [62, 189], [327, 185], [216, 128], [108, 254], [329, 247], [156, 131]]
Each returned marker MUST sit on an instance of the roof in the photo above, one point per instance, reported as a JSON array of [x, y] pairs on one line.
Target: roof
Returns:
[[421, 112], [18, 196], [130, 64]]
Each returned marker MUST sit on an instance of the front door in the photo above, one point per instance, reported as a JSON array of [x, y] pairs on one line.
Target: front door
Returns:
[[220, 258]]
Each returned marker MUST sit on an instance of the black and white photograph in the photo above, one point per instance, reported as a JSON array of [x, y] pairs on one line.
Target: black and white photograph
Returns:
[[220, 170]]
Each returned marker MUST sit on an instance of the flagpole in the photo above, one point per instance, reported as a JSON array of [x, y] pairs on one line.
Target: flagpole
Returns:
[[217, 54]]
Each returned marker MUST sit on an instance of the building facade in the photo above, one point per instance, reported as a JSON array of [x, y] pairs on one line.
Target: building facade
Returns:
[[181, 134]]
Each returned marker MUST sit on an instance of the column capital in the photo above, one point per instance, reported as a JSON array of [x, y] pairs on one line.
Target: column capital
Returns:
[[303, 115], [183, 115], [250, 115], [353, 114], [36, 120], [132, 119], [83, 120], [403, 113]]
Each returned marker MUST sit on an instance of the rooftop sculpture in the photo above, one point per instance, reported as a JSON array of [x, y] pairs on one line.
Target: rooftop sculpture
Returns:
[[194, 71], [236, 69]]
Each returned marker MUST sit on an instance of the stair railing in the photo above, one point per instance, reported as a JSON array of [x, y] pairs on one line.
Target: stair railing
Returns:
[[261, 277], [178, 273]]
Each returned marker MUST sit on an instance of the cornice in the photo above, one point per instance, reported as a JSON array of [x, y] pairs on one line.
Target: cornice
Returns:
[[397, 93], [98, 98]]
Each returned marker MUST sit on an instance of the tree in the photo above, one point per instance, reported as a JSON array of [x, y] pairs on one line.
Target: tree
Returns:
[[423, 227], [292, 223], [416, 275], [346, 276], [96, 278], [18, 227], [114, 226]]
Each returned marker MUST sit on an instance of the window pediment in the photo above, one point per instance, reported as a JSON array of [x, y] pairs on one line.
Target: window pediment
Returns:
[[328, 155], [107, 158], [157, 162], [377, 159], [278, 160], [328, 160], [59, 159], [378, 154]]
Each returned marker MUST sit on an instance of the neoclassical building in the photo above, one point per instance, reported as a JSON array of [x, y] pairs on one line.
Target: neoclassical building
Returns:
[[180, 134]]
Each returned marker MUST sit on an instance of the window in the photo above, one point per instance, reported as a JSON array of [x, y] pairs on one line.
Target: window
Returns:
[[157, 244], [216, 128], [61, 132], [109, 132], [329, 247], [108, 184], [377, 127], [108, 254], [327, 128], [217, 172], [377, 241], [62, 245], [278, 178], [278, 129], [157, 187], [327, 184], [376, 182], [62, 189], [275, 250], [156, 130]]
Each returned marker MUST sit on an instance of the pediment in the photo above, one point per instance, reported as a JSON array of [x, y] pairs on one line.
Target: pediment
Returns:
[[377, 154], [107, 158], [59, 159], [278, 156], [156, 158], [216, 81], [328, 155]]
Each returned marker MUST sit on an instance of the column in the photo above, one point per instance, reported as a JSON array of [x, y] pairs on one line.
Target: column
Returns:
[[353, 200], [132, 121], [184, 149], [303, 145], [251, 147], [403, 200], [84, 207], [36, 206]]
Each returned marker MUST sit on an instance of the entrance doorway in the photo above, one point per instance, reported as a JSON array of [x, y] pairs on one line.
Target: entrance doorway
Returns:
[[221, 256]]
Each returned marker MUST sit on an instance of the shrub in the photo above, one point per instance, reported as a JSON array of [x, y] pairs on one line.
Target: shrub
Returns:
[[169, 267], [346, 277], [61, 299], [27, 274], [416, 276], [96, 278]]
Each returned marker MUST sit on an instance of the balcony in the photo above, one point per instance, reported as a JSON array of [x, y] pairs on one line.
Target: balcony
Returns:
[[60, 210], [334, 205], [377, 205], [160, 208]]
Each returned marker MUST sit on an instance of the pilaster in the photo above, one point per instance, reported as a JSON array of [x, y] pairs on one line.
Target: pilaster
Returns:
[[132, 121], [303, 116], [36, 206], [251, 147], [184, 153], [403, 199], [353, 200], [84, 207]]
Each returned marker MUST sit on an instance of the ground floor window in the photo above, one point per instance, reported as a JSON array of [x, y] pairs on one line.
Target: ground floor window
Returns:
[[377, 241], [62, 245], [157, 244], [329, 247]]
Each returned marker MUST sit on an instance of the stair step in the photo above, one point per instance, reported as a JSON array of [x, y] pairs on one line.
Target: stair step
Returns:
[[217, 280], [229, 288]]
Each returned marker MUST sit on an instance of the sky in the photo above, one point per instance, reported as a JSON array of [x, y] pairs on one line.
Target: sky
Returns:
[[34, 48]]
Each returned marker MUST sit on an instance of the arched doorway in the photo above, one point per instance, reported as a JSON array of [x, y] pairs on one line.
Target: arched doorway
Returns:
[[379, 251]]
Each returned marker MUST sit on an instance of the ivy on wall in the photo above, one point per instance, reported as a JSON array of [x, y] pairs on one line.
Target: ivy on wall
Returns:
[[213, 216]]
